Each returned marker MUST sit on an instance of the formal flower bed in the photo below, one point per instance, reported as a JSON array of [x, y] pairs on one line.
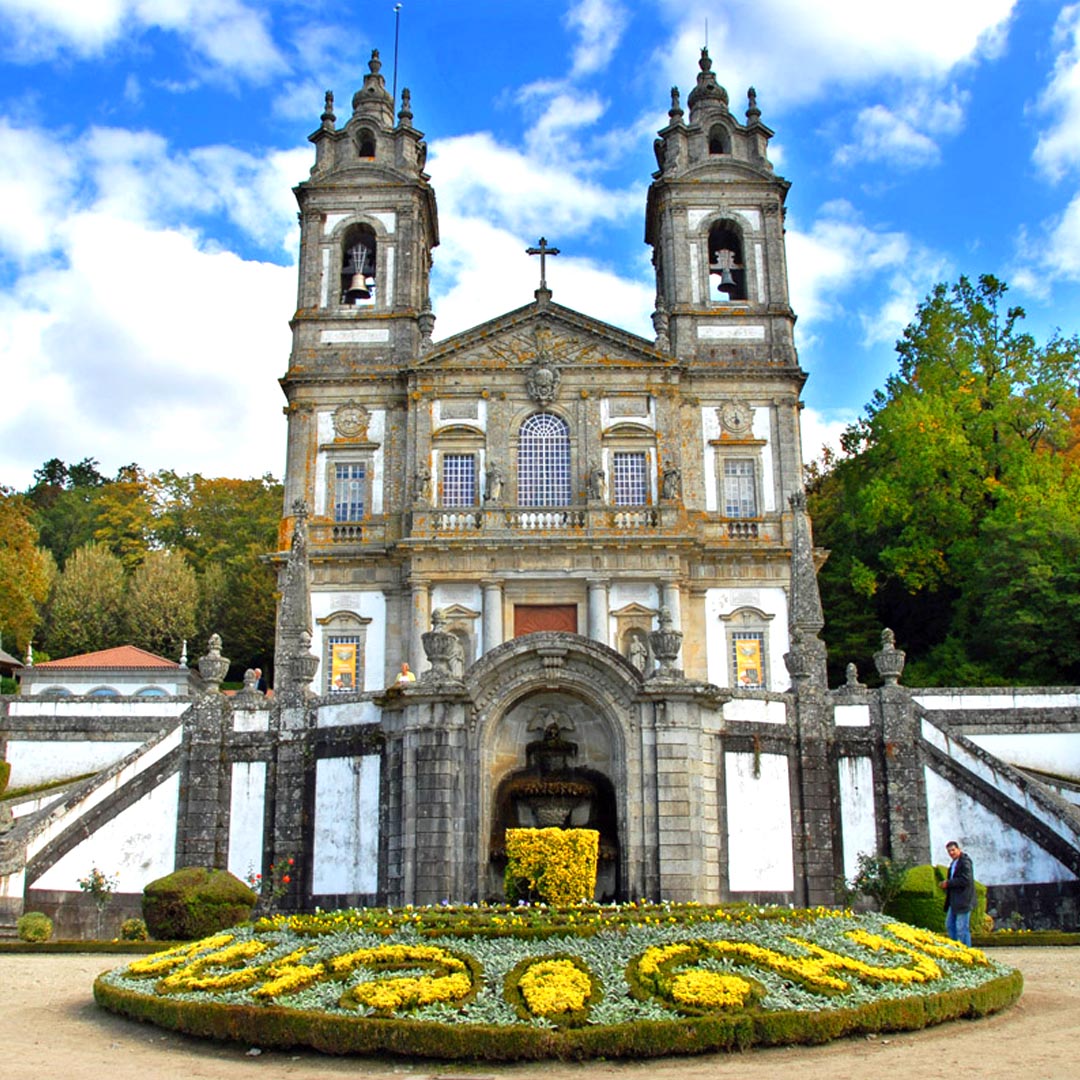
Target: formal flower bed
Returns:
[[504, 983]]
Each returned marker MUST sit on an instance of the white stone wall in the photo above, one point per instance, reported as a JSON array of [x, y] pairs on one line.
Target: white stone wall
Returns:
[[858, 813], [721, 602], [247, 804], [760, 853], [41, 761], [368, 605], [138, 845], [346, 849], [1052, 752], [1001, 854]]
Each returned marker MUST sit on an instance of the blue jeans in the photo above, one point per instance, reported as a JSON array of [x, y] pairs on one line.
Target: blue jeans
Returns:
[[958, 926]]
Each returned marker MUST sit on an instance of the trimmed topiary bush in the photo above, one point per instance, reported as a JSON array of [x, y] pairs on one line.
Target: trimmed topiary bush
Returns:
[[195, 902], [34, 927], [557, 866], [922, 903], [134, 930]]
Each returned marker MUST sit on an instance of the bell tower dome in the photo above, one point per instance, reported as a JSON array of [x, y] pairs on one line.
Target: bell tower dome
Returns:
[[715, 220]]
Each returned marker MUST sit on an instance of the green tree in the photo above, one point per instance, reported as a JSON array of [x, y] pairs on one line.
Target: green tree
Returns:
[[65, 502], [27, 572], [956, 463], [87, 608], [162, 603]]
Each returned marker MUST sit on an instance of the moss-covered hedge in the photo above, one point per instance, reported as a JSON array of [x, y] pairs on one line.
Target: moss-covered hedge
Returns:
[[921, 901], [195, 902]]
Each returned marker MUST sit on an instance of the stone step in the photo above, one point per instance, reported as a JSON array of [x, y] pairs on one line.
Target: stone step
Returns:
[[8, 931]]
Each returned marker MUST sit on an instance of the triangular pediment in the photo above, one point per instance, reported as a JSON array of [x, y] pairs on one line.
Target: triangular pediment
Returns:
[[543, 332]]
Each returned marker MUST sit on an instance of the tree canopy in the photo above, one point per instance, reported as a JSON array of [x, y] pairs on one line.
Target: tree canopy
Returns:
[[953, 513], [148, 559]]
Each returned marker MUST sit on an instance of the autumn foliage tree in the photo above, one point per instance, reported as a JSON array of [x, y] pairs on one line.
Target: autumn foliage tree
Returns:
[[27, 572], [953, 514]]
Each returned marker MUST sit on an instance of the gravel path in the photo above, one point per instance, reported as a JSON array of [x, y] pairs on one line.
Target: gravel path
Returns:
[[51, 1028]]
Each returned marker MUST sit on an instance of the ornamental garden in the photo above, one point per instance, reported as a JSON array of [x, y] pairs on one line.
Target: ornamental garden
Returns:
[[572, 980]]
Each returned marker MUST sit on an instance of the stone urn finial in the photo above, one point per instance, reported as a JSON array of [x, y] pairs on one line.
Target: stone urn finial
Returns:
[[304, 663], [213, 666], [666, 643], [439, 646], [890, 660]]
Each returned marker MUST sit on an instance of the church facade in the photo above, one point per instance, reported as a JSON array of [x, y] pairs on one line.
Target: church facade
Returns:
[[546, 572]]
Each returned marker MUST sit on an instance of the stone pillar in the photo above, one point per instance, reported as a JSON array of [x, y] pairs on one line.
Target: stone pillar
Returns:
[[816, 864], [598, 610], [420, 620], [202, 835], [493, 615], [671, 598]]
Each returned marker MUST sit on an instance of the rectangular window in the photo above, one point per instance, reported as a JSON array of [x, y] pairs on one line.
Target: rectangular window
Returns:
[[343, 670], [348, 491], [740, 488], [748, 655], [631, 484], [458, 479]]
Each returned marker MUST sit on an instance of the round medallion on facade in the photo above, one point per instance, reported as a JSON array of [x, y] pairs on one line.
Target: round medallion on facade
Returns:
[[736, 418], [351, 421]]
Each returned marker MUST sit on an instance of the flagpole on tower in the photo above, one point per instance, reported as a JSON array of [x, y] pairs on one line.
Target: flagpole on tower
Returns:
[[397, 28]]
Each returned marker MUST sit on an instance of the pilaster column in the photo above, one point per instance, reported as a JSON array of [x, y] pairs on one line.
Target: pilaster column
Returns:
[[598, 610], [493, 614], [419, 621]]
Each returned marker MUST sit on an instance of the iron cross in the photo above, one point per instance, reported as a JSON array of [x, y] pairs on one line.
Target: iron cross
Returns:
[[543, 251]]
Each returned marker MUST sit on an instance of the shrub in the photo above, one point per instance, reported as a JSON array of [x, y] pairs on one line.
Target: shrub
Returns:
[[5, 775], [34, 927], [134, 930], [921, 901], [195, 902], [558, 865]]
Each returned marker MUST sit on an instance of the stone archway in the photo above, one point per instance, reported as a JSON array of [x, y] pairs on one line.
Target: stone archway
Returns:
[[517, 689], [553, 766]]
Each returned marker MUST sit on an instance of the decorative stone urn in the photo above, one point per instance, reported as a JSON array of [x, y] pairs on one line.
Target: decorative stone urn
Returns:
[[439, 646], [305, 663], [213, 666], [890, 660], [665, 643], [552, 788]]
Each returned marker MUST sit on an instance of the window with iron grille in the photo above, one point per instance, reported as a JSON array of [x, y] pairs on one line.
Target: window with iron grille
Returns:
[[348, 491], [342, 666], [631, 483], [748, 659], [740, 488], [544, 461], [458, 479]]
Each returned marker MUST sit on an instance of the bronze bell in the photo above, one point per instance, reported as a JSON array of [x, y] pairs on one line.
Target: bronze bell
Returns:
[[360, 288], [727, 282]]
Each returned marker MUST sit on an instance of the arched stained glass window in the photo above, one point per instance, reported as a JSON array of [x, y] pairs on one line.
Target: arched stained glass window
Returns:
[[544, 461]]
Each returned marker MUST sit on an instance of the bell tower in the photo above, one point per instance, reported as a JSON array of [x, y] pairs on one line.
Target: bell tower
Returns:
[[715, 220], [368, 224]]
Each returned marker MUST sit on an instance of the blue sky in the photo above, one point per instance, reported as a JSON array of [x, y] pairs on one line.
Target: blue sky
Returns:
[[148, 149]]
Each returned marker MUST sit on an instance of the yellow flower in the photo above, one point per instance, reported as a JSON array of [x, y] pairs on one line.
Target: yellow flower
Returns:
[[554, 986]]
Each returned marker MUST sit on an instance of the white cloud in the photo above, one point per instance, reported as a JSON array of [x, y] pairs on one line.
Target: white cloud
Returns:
[[509, 188], [905, 136], [227, 34], [819, 430], [810, 46], [840, 259], [124, 337], [1058, 148], [600, 24], [481, 271]]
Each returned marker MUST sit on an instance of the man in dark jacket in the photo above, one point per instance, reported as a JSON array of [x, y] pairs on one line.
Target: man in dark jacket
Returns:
[[959, 886]]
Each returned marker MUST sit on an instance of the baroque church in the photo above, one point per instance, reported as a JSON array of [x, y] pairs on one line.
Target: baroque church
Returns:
[[546, 572]]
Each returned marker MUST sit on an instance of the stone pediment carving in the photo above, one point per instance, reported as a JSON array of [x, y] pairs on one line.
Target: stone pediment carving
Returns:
[[543, 345]]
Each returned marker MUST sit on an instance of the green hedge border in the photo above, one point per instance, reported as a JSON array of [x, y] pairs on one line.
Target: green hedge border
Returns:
[[1003, 939], [272, 1026], [77, 946]]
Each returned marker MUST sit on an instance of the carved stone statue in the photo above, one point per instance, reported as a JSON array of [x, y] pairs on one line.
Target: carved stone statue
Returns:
[[422, 487], [493, 482], [638, 654], [671, 481], [597, 482]]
